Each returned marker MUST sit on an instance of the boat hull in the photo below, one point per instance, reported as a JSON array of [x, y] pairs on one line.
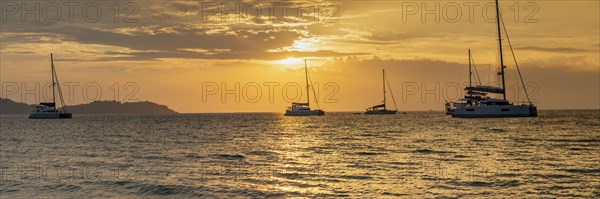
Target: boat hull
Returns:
[[304, 113], [50, 115], [66, 116], [494, 111], [381, 112]]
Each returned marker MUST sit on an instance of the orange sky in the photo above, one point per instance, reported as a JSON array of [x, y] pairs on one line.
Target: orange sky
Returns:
[[173, 51]]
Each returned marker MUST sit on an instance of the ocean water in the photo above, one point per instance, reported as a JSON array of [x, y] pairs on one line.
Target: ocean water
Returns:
[[340, 155]]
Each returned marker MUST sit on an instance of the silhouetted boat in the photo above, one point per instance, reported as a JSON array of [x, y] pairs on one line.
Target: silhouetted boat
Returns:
[[478, 105], [48, 110], [303, 109], [475, 94], [382, 109]]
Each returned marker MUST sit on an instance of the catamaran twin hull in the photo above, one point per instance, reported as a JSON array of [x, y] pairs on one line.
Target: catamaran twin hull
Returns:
[[304, 112], [494, 111], [381, 112], [50, 115]]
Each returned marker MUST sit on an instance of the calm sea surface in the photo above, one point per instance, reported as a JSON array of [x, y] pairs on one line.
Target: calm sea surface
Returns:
[[412, 155]]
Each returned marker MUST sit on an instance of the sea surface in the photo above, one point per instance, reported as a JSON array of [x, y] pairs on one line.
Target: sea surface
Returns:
[[267, 155]]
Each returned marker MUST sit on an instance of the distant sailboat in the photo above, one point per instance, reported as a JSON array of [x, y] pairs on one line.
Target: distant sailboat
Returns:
[[303, 109], [49, 110], [477, 105], [382, 109]]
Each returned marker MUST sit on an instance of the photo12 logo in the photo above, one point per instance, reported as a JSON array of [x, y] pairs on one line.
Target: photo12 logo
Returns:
[[470, 11], [254, 92], [436, 92], [67, 172], [270, 11], [74, 91], [71, 11]]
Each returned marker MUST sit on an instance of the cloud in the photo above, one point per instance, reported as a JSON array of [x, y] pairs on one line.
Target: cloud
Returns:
[[154, 43], [556, 49], [266, 56], [163, 31]]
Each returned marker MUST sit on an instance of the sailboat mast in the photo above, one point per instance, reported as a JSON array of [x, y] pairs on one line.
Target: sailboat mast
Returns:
[[500, 45], [307, 90], [384, 89], [470, 73], [52, 68]]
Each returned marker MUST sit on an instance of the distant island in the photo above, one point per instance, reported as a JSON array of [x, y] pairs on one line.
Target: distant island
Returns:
[[8, 106]]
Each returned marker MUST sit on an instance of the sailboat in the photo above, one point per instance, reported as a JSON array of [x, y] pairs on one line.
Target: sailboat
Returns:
[[49, 110], [472, 96], [478, 105], [382, 109], [303, 109]]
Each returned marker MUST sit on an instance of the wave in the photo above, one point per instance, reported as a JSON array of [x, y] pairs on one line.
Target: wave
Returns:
[[228, 156]]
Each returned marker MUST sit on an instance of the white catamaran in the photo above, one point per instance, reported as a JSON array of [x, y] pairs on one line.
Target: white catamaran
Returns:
[[476, 104], [382, 109], [49, 110], [303, 109]]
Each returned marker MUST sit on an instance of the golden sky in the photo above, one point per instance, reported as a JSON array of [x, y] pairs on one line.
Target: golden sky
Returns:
[[176, 52]]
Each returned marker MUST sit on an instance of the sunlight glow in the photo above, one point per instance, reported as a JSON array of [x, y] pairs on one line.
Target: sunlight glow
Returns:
[[290, 61], [305, 44]]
